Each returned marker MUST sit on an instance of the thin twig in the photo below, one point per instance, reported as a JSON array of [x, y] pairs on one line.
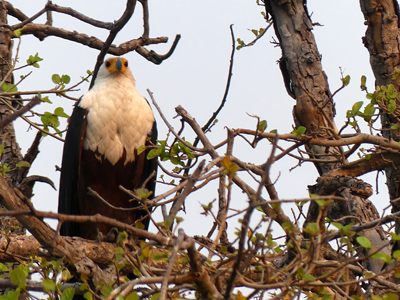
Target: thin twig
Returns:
[[172, 259], [28, 20], [31, 123], [169, 125], [228, 84], [187, 190], [117, 26]]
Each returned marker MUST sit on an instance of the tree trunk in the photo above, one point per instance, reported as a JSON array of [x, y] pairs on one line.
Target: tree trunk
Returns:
[[382, 41], [12, 153], [307, 83]]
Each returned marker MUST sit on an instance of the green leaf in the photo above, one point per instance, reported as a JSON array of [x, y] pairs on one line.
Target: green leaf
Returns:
[[33, 60], [312, 229], [323, 203], [18, 32], [230, 167], [132, 296], [3, 268], [396, 255], [174, 150], [88, 296], [363, 83], [18, 277], [11, 295], [288, 226], [66, 79], [299, 131], [59, 111], [364, 242], [23, 164], [9, 88], [186, 150], [141, 149], [395, 237], [68, 294], [356, 107], [346, 80], [392, 106], [5, 168], [54, 121], [396, 74], [346, 230], [262, 125], [395, 126], [308, 277], [106, 290], [143, 193], [390, 296], [66, 275], [338, 225], [369, 110], [1, 149], [56, 78], [153, 153], [49, 285], [383, 256]]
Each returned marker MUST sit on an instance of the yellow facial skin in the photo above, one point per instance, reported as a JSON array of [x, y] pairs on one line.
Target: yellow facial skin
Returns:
[[116, 64]]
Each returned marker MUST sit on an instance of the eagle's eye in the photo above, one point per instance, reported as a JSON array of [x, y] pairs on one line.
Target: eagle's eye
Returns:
[[126, 64], [108, 64]]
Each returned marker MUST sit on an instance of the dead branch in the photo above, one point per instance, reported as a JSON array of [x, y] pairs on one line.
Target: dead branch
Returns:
[[202, 279], [361, 138], [10, 118], [186, 191], [90, 41], [13, 199], [73, 13], [172, 259], [276, 214]]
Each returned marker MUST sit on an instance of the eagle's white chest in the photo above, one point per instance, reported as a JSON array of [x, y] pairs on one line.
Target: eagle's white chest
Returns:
[[118, 118]]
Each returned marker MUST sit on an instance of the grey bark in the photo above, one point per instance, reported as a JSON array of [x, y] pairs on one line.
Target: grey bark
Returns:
[[307, 83], [382, 41]]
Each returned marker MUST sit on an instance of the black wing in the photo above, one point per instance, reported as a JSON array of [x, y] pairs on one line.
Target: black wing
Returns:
[[150, 166], [67, 200]]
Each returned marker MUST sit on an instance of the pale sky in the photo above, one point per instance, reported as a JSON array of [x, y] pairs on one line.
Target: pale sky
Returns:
[[195, 77]]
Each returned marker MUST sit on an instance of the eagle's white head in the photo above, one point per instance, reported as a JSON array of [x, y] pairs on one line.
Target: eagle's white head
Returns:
[[114, 67]]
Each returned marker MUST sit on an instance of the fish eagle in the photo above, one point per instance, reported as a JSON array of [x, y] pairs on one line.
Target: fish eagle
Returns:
[[107, 127]]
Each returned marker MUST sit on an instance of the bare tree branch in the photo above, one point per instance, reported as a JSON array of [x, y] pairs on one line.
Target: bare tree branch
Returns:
[[78, 15], [10, 118]]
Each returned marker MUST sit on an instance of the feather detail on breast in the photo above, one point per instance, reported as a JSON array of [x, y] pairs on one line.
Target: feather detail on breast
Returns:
[[118, 120]]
